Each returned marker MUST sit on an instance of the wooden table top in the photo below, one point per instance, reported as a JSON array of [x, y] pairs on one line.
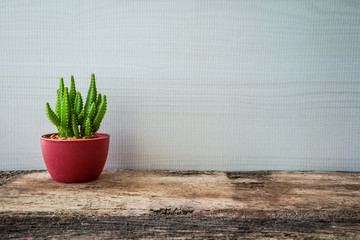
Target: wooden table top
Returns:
[[182, 204]]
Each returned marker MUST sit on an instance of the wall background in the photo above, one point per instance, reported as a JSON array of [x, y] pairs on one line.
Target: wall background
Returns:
[[213, 85]]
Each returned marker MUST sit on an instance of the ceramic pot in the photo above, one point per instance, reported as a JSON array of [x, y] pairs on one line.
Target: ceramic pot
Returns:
[[78, 160]]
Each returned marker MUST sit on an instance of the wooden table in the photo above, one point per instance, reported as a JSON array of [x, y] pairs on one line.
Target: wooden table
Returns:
[[182, 204]]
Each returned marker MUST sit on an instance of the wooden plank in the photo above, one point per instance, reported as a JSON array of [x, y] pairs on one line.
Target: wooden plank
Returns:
[[185, 204]]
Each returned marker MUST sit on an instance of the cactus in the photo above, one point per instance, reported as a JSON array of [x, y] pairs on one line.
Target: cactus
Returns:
[[70, 111]]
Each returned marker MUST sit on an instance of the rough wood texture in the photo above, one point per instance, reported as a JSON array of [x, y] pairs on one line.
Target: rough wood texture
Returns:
[[173, 204]]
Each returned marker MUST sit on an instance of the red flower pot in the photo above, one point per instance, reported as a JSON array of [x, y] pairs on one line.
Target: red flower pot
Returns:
[[78, 160]]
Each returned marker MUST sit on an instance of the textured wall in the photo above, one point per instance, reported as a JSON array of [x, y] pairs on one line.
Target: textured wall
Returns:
[[215, 85]]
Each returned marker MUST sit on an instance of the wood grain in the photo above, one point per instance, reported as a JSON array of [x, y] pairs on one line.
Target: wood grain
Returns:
[[183, 204]]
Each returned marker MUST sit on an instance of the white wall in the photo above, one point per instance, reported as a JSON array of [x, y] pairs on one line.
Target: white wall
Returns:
[[211, 85]]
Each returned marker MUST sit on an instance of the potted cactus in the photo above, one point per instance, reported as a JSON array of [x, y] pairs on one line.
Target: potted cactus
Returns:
[[77, 152]]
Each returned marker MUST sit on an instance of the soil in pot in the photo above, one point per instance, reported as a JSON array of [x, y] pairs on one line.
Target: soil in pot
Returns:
[[57, 136]]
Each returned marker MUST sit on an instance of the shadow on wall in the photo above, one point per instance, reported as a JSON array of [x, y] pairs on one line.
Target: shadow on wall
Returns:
[[124, 152]]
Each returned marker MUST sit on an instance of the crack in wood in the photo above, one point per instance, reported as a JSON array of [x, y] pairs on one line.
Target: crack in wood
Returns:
[[172, 211]]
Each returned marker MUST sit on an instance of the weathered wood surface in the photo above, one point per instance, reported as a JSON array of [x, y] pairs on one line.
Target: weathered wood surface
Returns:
[[173, 204]]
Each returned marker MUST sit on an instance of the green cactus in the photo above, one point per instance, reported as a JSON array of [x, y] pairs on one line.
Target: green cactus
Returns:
[[100, 114], [87, 126], [51, 115], [81, 116], [72, 92], [78, 104], [70, 111], [74, 125], [61, 86], [65, 111], [91, 96], [98, 100], [58, 103]]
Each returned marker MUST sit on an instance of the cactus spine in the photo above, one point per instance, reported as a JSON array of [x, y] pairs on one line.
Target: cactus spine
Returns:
[[70, 111]]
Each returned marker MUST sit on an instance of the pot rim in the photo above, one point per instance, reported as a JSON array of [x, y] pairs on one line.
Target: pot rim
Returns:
[[98, 134]]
